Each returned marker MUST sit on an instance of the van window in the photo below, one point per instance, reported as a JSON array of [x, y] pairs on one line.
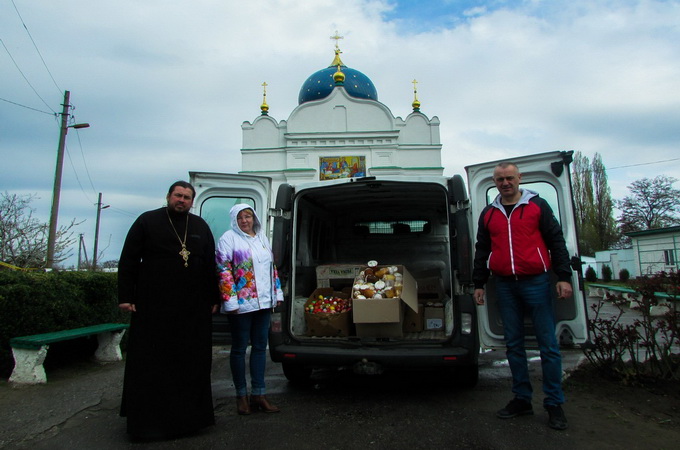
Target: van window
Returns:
[[215, 211], [546, 190], [392, 227]]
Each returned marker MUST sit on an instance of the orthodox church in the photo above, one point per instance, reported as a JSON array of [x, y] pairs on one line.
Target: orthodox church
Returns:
[[340, 129]]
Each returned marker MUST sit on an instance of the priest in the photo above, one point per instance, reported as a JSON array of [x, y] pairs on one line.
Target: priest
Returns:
[[167, 281]]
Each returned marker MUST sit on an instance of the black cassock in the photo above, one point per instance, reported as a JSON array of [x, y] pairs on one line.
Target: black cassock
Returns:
[[166, 389]]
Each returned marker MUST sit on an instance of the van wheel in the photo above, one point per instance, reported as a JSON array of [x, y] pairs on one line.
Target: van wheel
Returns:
[[297, 374], [466, 376]]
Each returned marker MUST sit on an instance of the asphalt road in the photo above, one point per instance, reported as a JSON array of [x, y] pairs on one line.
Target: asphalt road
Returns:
[[78, 409]]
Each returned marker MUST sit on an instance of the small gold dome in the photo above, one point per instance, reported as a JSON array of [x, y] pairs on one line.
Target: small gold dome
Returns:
[[338, 76]]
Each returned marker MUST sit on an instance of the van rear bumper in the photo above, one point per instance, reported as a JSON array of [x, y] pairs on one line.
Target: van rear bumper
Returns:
[[388, 357]]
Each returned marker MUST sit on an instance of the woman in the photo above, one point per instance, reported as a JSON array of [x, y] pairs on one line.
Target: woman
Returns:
[[250, 289]]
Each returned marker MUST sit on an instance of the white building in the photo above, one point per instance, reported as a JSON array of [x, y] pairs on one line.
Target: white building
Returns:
[[656, 250], [340, 129], [616, 260]]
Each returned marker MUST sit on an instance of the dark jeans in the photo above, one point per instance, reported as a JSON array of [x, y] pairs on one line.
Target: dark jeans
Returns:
[[531, 295], [250, 327]]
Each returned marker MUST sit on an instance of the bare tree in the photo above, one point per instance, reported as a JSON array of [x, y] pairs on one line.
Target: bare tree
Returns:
[[653, 204], [23, 238]]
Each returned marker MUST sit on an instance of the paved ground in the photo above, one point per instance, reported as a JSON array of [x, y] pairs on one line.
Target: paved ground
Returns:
[[78, 407]]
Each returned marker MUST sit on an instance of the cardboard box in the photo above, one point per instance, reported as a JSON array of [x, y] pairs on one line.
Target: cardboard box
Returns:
[[434, 316], [334, 274], [413, 320], [430, 289], [327, 324], [384, 317]]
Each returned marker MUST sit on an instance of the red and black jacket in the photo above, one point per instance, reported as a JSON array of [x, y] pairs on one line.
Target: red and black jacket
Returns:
[[528, 242]]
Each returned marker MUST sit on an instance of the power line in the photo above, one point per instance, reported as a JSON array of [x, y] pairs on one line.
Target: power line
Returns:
[[22, 74], [75, 172], [36, 47], [82, 155], [644, 164], [27, 107]]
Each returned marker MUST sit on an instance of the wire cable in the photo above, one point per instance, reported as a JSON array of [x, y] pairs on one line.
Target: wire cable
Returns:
[[36, 47], [27, 107], [82, 155], [22, 74], [645, 164]]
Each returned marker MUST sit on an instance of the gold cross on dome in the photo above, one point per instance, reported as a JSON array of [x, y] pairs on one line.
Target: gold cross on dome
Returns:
[[337, 38], [415, 89], [264, 85]]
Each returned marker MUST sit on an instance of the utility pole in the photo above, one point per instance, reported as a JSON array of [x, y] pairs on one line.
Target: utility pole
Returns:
[[96, 231], [82, 243], [56, 191], [80, 250]]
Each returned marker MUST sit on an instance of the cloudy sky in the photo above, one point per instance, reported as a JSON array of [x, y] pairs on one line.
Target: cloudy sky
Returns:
[[166, 85]]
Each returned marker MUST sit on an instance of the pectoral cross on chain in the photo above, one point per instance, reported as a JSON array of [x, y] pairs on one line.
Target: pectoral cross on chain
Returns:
[[185, 255]]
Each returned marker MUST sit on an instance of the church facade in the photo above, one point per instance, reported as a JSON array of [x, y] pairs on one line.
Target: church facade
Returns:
[[338, 130]]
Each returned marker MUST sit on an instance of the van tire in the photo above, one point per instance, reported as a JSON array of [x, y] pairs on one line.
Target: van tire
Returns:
[[296, 373]]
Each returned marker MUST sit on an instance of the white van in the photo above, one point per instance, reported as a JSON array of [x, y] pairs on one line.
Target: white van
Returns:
[[324, 233]]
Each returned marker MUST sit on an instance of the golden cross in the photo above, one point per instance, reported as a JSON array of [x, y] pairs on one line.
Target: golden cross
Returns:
[[185, 255], [337, 37], [415, 89], [264, 85]]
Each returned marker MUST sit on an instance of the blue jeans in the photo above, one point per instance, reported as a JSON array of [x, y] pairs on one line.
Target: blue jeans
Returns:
[[250, 327], [531, 296]]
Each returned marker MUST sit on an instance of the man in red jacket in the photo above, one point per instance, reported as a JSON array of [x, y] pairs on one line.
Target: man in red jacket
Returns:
[[519, 241]]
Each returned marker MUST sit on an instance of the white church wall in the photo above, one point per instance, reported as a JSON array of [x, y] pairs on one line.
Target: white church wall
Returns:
[[264, 132], [417, 130], [340, 113]]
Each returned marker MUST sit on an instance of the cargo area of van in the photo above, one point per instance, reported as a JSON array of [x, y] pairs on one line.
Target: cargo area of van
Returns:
[[340, 228]]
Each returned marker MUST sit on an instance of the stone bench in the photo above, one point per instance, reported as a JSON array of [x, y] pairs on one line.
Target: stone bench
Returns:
[[30, 351], [601, 290]]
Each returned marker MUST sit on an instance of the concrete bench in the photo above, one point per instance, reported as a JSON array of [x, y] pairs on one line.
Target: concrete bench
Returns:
[[30, 351], [634, 297]]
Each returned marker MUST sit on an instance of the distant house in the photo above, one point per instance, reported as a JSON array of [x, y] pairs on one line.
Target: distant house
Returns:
[[656, 250], [617, 260]]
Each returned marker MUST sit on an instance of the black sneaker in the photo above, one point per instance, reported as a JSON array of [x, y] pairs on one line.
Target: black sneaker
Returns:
[[516, 407], [556, 418]]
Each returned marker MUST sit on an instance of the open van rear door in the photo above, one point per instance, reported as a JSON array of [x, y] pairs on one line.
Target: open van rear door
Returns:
[[216, 193], [549, 175]]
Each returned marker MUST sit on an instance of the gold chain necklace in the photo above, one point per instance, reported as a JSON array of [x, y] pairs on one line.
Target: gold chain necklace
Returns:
[[184, 253]]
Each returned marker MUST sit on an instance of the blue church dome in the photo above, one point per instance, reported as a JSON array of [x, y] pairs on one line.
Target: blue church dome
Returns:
[[321, 83]]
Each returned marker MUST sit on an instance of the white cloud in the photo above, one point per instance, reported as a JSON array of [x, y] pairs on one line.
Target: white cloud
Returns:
[[166, 86]]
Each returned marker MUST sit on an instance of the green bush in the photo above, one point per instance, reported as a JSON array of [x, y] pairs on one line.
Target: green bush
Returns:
[[591, 275], [606, 273], [642, 350], [624, 275], [34, 303]]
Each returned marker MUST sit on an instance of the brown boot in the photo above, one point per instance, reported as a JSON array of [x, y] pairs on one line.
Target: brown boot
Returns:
[[242, 406], [260, 402]]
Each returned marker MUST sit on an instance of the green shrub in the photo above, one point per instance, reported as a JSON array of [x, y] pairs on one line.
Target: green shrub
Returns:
[[591, 275], [33, 303], [624, 275], [606, 273], [642, 350]]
